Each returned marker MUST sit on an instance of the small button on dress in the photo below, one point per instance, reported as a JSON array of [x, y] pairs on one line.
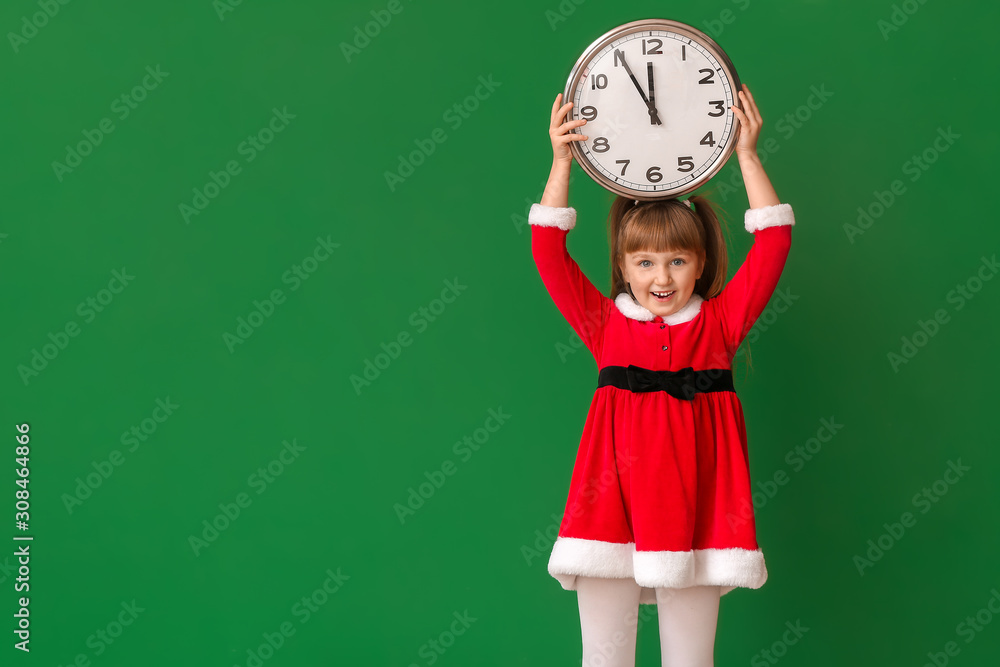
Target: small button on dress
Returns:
[[660, 490]]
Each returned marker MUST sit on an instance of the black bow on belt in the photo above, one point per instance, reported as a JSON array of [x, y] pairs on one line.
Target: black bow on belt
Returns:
[[679, 384]]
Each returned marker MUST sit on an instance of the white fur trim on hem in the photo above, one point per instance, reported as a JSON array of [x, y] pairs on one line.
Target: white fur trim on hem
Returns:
[[629, 308], [727, 568], [552, 216], [768, 216]]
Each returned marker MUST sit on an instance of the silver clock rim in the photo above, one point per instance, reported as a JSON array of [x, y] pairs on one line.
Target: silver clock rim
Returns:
[[637, 26]]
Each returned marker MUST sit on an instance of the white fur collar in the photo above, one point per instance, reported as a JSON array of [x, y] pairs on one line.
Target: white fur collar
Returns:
[[629, 308]]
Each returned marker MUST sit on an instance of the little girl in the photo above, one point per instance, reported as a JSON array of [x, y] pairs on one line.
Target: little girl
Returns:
[[659, 508]]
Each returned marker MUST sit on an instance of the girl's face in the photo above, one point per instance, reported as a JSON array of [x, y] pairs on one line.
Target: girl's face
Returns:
[[662, 282]]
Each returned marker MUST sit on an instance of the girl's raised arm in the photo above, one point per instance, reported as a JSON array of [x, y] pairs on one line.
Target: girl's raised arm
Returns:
[[760, 192], [746, 295], [556, 193], [582, 304]]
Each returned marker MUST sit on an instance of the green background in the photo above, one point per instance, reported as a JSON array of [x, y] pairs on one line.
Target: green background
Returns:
[[499, 345]]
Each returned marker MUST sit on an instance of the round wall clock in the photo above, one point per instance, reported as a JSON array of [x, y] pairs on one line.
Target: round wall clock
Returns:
[[656, 95]]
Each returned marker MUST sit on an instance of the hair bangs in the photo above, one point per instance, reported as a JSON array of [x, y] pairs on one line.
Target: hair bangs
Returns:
[[658, 228]]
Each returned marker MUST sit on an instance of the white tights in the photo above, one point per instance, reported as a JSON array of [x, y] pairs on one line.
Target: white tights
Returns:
[[609, 620]]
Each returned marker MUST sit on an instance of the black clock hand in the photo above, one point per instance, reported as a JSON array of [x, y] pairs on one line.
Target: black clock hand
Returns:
[[653, 118], [652, 98]]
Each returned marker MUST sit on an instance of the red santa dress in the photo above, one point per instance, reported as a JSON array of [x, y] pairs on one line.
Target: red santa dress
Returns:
[[660, 491]]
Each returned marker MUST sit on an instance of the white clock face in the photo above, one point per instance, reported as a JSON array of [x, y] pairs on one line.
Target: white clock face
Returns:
[[663, 132]]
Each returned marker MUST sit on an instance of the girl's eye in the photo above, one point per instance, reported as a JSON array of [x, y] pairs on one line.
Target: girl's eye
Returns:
[[644, 262]]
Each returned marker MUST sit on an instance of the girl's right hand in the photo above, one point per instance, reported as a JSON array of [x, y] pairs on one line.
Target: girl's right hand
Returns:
[[560, 133]]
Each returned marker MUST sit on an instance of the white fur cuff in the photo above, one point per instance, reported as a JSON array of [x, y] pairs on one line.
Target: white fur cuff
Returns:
[[552, 216], [769, 216]]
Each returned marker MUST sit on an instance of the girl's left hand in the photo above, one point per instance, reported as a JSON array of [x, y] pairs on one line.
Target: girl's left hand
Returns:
[[750, 124]]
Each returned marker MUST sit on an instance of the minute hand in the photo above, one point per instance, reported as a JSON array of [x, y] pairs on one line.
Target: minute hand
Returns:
[[653, 117]]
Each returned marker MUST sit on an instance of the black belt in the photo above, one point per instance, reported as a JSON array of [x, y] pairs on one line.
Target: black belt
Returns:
[[683, 384]]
